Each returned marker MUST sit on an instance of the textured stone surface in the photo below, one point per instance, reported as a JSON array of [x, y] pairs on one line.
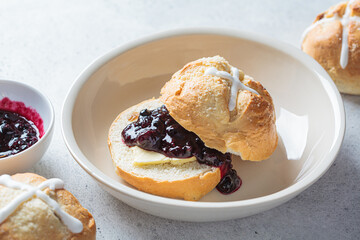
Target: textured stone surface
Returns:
[[48, 43]]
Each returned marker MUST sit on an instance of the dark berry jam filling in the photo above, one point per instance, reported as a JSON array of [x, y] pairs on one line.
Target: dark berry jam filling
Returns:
[[16, 133], [28, 112], [157, 131]]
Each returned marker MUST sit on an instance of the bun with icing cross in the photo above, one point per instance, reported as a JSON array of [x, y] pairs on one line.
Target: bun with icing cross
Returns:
[[179, 145], [334, 41], [227, 109], [32, 207]]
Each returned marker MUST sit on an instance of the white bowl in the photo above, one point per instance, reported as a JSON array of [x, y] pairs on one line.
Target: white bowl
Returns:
[[309, 108], [31, 97]]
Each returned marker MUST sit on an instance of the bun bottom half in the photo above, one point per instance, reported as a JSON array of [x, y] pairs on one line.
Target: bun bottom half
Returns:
[[188, 181]]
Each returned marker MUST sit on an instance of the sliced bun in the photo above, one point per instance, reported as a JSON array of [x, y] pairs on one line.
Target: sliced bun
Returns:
[[200, 103], [35, 219], [189, 181], [323, 42]]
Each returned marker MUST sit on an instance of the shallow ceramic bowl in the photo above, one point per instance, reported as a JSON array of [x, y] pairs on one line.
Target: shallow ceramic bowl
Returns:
[[309, 110], [31, 97]]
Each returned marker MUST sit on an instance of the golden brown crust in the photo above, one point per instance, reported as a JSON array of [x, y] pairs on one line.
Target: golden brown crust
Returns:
[[189, 188], [200, 104], [324, 43], [44, 227]]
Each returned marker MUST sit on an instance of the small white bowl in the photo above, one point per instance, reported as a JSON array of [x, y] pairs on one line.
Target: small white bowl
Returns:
[[31, 97], [310, 112]]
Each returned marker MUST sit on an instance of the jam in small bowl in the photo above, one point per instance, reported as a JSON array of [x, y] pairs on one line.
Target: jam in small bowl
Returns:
[[26, 126]]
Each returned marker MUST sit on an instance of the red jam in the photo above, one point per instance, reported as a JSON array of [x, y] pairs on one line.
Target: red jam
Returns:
[[20, 127], [157, 131]]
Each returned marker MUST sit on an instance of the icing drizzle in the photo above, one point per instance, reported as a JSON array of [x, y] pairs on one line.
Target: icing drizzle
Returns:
[[73, 224], [236, 84], [345, 20]]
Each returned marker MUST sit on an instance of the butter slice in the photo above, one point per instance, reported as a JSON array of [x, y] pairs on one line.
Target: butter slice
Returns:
[[144, 157]]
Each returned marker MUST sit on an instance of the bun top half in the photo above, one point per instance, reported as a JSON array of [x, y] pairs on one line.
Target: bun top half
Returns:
[[200, 103]]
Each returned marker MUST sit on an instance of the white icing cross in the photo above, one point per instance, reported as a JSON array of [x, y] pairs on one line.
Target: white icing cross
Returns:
[[345, 20], [73, 224], [236, 84]]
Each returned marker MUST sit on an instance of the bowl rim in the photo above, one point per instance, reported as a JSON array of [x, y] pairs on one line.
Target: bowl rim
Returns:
[[282, 195], [52, 118]]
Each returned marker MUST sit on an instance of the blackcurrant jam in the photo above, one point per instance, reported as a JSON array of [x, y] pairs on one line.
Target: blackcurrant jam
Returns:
[[155, 130], [20, 127], [16, 133]]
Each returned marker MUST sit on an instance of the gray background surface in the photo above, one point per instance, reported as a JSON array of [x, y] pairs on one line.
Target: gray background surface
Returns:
[[48, 43]]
